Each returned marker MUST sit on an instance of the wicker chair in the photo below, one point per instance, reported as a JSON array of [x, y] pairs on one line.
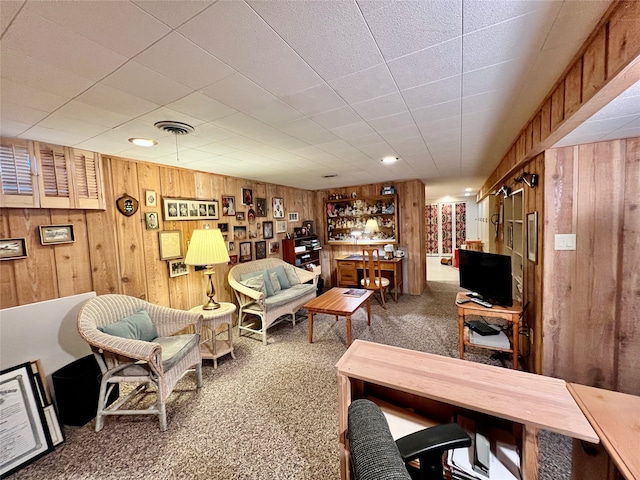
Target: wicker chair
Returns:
[[270, 311], [161, 361]]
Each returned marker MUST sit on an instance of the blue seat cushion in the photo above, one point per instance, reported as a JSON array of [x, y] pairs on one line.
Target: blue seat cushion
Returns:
[[137, 326], [174, 349]]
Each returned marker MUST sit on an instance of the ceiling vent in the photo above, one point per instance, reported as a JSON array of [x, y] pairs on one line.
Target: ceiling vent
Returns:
[[176, 128]]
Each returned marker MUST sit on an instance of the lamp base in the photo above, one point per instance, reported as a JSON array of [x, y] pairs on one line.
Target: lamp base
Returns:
[[211, 305]]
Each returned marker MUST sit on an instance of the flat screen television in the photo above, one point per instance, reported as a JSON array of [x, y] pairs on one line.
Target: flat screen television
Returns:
[[486, 275]]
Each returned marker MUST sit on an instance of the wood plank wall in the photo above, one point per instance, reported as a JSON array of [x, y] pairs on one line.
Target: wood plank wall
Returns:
[[116, 254], [592, 294], [411, 198], [533, 201]]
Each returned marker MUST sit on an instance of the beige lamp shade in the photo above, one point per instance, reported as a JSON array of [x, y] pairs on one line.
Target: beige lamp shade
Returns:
[[371, 226], [207, 247]]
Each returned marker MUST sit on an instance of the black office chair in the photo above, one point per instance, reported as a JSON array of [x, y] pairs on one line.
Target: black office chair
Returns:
[[376, 456]]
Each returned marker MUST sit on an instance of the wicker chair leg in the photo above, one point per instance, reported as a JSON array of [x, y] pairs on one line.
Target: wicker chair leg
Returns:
[[102, 403], [199, 374], [162, 415]]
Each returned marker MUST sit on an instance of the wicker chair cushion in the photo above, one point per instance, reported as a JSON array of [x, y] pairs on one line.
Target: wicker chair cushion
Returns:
[[267, 281], [137, 326], [173, 350], [282, 276], [256, 283]]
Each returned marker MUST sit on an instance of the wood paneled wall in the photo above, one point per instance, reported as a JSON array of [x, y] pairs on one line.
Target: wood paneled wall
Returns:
[[533, 201], [116, 254], [591, 295], [410, 222]]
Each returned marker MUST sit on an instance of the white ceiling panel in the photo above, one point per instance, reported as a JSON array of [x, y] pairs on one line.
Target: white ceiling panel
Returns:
[[97, 21], [181, 60], [276, 88]]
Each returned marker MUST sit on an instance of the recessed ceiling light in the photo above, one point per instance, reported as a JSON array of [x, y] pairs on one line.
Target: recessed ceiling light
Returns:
[[390, 159], [467, 194], [143, 142], [468, 189]]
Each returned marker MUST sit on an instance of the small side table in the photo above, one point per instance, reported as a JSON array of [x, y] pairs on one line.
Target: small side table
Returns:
[[213, 348]]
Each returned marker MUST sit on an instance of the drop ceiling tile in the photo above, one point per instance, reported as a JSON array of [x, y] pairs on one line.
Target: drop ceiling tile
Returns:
[[435, 113], [575, 23], [336, 118], [380, 107], [12, 128], [440, 91], [312, 101], [339, 148], [217, 149], [405, 27], [622, 107], [366, 140], [365, 84], [22, 94], [246, 43], [435, 63], [104, 146], [98, 116], [353, 130], [202, 107], [142, 82], [275, 112], [21, 113], [391, 122], [482, 101], [410, 146], [379, 150], [8, 10], [181, 60], [98, 21], [60, 47], [308, 131], [113, 100], [59, 137], [480, 15], [493, 77], [347, 45], [238, 92], [401, 133], [41, 75], [173, 12], [212, 133]]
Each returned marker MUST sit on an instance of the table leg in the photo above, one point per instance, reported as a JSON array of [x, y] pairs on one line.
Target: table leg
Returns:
[[515, 330], [230, 336], [461, 332], [348, 330], [213, 347], [369, 311], [310, 327]]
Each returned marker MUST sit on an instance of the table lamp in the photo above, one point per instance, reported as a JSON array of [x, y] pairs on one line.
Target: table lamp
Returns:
[[371, 227], [207, 248]]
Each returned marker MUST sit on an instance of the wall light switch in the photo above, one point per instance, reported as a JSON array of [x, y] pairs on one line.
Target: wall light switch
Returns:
[[565, 241]]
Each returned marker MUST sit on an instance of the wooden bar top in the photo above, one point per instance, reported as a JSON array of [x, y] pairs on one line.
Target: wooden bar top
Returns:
[[526, 398], [615, 417]]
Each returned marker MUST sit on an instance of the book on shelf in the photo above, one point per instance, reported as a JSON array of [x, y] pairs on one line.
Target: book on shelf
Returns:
[[355, 292]]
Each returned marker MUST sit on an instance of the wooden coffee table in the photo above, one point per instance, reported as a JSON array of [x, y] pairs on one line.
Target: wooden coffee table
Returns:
[[335, 302]]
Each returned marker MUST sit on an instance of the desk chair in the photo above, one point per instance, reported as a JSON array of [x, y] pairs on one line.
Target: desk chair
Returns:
[[375, 455], [373, 279]]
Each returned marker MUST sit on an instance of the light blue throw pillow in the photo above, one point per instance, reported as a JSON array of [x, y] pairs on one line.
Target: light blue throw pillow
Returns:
[[256, 283], [282, 276], [267, 280], [137, 326]]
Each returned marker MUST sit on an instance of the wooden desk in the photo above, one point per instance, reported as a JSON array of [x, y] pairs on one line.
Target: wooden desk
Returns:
[[349, 272], [510, 314], [616, 419], [439, 387]]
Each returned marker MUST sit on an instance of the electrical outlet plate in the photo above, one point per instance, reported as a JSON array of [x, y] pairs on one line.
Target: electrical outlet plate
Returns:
[[565, 241]]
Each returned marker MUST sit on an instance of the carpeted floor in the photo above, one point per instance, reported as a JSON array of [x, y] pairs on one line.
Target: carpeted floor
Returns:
[[272, 412]]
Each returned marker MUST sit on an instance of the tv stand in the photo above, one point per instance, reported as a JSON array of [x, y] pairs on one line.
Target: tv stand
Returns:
[[510, 314]]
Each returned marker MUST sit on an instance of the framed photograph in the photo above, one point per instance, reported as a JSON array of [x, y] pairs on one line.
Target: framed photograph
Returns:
[[245, 252], [239, 232], [177, 268], [300, 232], [170, 244], [240, 216], [532, 236], [13, 248], [150, 198], [267, 230], [274, 248], [233, 259], [278, 207], [293, 217], [308, 224], [261, 250], [281, 226], [190, 209], [54, 234], [23, 426], [261, 207], [247, 196], [228, 206], [151, 221], [232, 246], [224, 227], [251, 215]]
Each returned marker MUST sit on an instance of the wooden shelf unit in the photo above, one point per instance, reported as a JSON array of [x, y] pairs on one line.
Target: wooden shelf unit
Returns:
[[307, 258], [348, 215]]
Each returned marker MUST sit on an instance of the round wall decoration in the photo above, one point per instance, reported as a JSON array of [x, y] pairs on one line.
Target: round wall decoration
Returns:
[[127, 205]]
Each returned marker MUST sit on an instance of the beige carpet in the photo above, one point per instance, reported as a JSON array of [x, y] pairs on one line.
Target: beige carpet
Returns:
[[269, 414]]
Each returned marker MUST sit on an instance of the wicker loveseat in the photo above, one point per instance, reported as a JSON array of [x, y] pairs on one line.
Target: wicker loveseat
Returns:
[[256, 306]]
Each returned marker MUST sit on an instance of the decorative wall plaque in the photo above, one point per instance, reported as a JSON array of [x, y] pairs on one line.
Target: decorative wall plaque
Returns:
[[127, 205]]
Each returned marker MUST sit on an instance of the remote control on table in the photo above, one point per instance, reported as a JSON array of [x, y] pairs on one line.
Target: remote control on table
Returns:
[[481, 302], [463, 300]]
